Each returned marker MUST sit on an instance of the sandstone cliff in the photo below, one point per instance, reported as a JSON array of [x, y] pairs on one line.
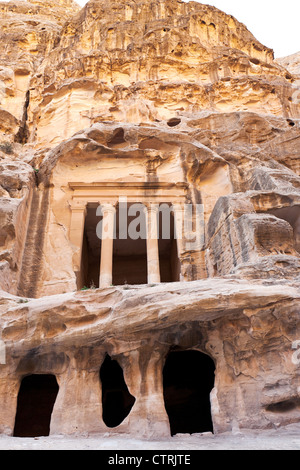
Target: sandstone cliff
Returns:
[[291, 63], [162, 99]]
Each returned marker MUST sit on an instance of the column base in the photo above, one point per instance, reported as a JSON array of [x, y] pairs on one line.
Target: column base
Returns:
[[105, 281]]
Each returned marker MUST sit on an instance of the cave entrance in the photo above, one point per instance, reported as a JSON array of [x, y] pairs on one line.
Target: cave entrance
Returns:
[[188, 378], [35, 404], [116, 399]]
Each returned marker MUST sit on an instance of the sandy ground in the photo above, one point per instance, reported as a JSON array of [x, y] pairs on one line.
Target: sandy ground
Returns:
[[281, 439]]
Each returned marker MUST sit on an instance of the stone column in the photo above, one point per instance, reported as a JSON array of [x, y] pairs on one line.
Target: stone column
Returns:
[[78, 407], [178, 227], [78, 209], [178, 232], [144, 378], [152, 244], [107, 244], [9, 388]]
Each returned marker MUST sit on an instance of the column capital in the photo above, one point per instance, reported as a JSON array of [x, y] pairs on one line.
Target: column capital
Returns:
[[78, 205], [108, 206], [151, 207], [178, 207]]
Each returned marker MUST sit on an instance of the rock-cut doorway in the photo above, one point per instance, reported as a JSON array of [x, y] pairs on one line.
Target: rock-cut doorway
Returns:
[[188, 378], [36, 399]]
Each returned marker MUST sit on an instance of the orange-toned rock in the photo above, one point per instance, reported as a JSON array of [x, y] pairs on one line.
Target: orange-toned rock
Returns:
[[171, 106]]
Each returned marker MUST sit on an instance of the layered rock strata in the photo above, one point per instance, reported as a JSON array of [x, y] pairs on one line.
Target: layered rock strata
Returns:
[[166, 102]]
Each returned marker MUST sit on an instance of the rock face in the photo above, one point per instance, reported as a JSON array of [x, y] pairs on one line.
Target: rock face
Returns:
[[145, 62], [152, 103], [291, 63]]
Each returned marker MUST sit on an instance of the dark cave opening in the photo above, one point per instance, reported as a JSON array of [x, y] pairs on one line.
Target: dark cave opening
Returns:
[[173, 122], [116, 399], [188, 378], [35, 404]]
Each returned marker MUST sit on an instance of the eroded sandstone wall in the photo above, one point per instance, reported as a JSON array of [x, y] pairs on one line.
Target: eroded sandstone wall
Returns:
[[182, 95], [193, 83], [142, 62], [248, 330]]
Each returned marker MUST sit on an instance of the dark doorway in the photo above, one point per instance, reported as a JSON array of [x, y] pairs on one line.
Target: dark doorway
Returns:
[[90, 269], [116, 399], [130, 253], [36, 399], [188, 378], [168, 256]]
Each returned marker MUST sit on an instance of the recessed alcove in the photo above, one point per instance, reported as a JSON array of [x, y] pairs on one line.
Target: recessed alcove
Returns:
[[167, 244], [292, 216], [173, 122], [129, 252]]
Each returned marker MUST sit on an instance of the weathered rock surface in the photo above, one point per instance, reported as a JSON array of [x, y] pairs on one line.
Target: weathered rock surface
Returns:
[[248, 329], [291, 63], [143, 62], [165, 101]]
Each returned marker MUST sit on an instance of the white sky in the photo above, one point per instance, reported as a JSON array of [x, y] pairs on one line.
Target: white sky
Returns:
[[275, 23]]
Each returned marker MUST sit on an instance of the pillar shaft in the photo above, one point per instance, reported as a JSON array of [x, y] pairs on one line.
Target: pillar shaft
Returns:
[[76, 232], [178, 227], [178, 230], [107, 245], [152, 246]]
